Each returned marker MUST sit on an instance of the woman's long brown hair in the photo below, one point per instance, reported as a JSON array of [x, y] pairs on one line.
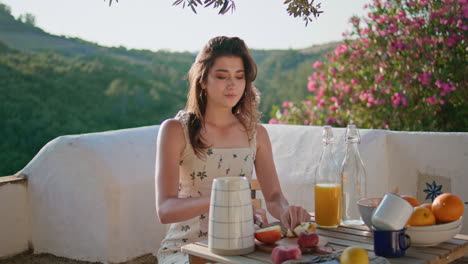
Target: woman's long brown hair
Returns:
[[246, 110]]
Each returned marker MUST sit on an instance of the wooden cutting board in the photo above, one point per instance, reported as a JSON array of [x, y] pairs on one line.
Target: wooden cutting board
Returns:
[[323, 246]]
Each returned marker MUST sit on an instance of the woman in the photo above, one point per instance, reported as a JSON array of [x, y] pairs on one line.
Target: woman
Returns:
[[217, 134]]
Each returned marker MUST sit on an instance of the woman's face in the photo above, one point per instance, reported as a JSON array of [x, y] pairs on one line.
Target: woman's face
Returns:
[[225, 83]]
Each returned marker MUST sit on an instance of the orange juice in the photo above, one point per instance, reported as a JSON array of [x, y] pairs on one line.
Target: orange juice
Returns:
[[328, 204]]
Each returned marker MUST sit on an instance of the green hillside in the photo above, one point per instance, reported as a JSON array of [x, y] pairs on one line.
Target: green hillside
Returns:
[[52, 86]]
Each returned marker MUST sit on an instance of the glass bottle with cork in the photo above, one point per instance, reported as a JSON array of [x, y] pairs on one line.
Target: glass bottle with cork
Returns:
[[327, 185]]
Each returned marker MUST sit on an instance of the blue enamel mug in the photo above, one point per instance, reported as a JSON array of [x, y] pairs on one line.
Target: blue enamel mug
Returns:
[[391, 243]]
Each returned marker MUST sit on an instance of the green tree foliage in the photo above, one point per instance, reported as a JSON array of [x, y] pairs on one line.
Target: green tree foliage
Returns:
[[28, 18], [403, 67]]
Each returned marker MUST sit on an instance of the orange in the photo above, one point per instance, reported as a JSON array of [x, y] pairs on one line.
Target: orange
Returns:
[[447, 207], [421, 217], [427, 205], [413, 201], [269, 235]]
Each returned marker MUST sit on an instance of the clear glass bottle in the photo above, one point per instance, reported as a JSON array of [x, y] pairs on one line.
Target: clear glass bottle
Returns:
[[353, 176], [327, 185]]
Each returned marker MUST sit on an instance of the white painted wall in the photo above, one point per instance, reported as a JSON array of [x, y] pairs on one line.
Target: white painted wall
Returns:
[[92, 196], [14, 218]]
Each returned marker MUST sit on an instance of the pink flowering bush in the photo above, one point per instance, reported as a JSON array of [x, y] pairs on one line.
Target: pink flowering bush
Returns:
[[403, 67]]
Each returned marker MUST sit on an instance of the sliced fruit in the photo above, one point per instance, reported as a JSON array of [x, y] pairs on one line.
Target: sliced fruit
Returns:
[[269, 235], [290, 233], [305, 226]]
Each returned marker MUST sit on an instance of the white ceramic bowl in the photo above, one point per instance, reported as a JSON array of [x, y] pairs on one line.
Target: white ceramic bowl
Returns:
[[439, 227], [426, 238], [366, 209]]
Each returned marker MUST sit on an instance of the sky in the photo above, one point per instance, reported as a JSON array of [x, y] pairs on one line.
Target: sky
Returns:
[[158, 25]]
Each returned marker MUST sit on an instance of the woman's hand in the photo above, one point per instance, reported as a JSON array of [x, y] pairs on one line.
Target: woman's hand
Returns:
[[292, 216]]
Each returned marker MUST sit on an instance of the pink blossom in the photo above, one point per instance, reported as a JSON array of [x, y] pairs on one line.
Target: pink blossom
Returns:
[[365, 31], [392, 28], [398, 45], [423, 3], [341, 49], [330, 120], [333, 108], [312, 86], [320, 104], [308, 103], [398, 99], [347, 89], [285, 112], [332, 71], [379, 78], [287, 104], [354, 81], [446, 87], [320, 92], [432, 100], [273, 121], [450, 41], [317, 65], [425, 78], [442, 102], [355, 20]]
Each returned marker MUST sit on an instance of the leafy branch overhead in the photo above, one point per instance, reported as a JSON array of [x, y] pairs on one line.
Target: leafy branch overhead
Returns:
[[297, 8], [305, 9], [223, 5]]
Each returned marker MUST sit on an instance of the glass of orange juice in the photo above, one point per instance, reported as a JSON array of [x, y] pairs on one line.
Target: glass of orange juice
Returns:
[[327, 185]]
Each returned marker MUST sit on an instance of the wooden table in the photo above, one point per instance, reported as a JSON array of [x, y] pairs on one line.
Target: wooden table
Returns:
[[342, 237]]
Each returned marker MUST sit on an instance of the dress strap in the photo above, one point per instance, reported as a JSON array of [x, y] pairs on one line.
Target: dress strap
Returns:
[[183, 117], [253, 143]]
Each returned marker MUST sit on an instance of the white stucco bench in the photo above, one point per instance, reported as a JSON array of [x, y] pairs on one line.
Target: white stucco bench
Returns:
[[92, 197]]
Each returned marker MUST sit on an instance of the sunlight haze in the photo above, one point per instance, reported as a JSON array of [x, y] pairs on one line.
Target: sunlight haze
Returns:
[[156, 25]]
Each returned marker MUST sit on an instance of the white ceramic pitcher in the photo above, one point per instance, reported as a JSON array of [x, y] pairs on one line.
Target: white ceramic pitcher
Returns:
[[231, 226]]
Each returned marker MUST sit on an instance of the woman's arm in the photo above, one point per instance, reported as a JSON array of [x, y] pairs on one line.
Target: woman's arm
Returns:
[[277, 204], [170, 147]]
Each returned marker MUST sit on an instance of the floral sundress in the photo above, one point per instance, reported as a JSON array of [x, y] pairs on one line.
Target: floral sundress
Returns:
[[196, 177]]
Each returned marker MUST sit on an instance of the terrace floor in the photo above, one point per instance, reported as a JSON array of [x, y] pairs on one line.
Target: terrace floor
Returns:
[[147, 259], [51, 259]]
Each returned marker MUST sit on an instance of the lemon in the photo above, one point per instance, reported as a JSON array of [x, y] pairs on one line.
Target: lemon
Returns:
[[354, 255]]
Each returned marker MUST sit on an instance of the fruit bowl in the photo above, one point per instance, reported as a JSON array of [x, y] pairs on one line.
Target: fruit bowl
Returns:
[[426, 238], [366, 209], [439, 227]]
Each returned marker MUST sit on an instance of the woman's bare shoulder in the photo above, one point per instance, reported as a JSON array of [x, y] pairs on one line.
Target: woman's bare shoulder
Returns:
[[262, 133], [172, 128]]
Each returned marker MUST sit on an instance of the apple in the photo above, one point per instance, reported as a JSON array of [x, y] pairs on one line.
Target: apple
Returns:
[[308, 239], [284, 253], [269, 235]]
